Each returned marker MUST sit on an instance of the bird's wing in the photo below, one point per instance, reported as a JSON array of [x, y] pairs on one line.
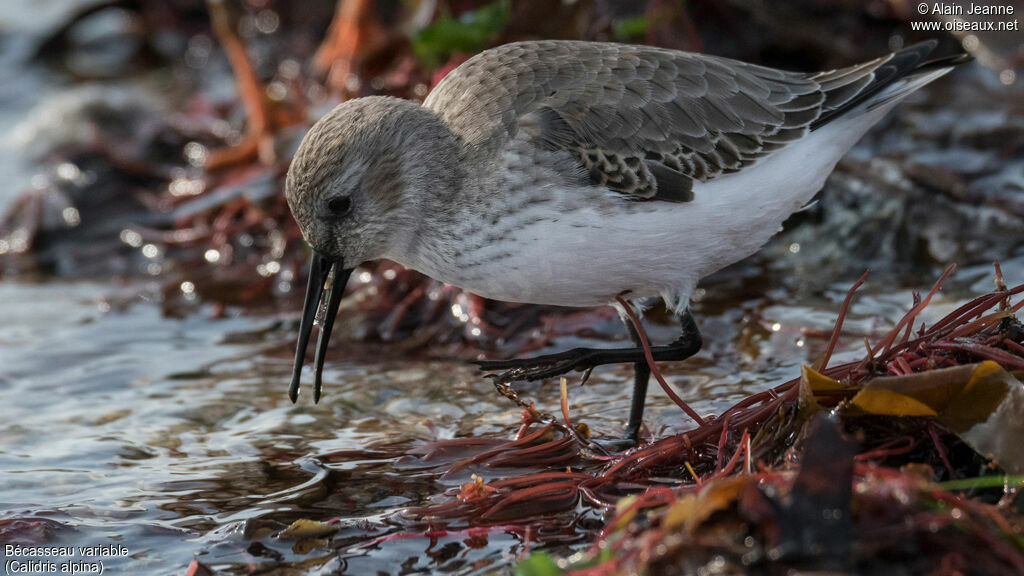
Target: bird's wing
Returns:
[[646, 121]]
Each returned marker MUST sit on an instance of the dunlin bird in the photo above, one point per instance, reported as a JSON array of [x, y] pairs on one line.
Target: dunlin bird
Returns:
[[566, 173]]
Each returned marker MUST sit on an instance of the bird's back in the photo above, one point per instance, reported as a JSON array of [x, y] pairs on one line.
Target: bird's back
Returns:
[[649, 122]]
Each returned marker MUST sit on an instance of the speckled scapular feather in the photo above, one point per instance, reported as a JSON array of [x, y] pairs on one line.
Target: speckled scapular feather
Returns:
[[561, 172]]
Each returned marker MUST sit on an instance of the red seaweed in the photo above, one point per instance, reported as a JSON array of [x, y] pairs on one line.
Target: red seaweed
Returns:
[[755, 434]]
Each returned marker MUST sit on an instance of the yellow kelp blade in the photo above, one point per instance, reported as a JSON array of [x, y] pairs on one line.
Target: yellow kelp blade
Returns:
[[982, 403]]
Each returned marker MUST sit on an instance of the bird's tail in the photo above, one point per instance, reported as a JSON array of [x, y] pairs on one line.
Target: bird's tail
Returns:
[[882, 81]]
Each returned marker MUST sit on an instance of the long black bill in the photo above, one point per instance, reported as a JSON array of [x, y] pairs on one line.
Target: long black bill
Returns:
[[321, 271]]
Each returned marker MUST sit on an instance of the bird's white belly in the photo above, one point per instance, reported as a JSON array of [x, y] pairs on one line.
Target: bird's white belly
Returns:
[[580, 250], [585, 258]]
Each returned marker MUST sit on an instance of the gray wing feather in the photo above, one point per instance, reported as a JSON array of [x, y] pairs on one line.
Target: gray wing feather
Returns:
[[641, 120]]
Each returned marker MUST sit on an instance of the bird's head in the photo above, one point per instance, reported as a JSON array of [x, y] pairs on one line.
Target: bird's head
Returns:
[[357, 188]]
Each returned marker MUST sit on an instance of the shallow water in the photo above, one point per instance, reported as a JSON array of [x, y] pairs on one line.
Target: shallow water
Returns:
[[174, 437]]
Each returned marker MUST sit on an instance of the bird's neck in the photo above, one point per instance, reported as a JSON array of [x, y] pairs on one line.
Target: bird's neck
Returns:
[[457, 222], [435, 193]]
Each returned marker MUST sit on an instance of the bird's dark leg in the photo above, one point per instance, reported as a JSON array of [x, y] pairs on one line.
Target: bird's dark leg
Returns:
[[641, 376], [687, 344]]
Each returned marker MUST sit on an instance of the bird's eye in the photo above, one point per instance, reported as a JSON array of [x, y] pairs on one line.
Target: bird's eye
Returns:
[[339, 205]]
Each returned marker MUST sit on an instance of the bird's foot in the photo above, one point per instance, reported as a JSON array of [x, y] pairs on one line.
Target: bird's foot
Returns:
[[630, 439], [617, 444], [541, 367]]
